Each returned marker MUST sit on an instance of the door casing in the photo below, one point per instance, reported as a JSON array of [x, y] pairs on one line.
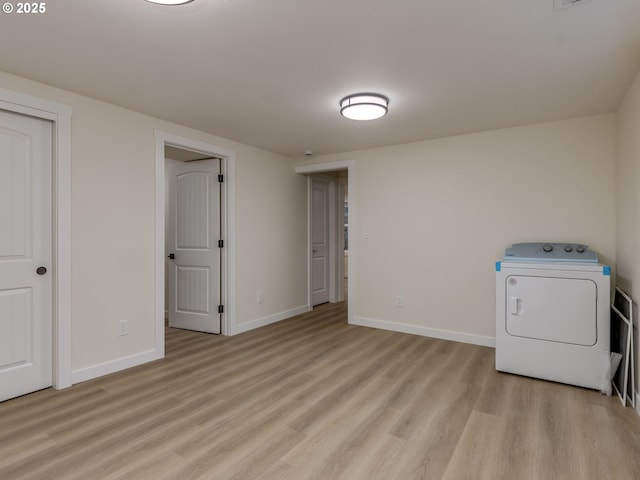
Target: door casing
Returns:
[[228, 207], [315, 168], [60, 115]]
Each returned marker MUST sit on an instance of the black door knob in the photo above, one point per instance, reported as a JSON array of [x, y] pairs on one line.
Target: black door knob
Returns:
[[41, 270], [172, 256]]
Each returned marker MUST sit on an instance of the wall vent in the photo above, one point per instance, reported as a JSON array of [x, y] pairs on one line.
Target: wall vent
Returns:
[[562, 4]]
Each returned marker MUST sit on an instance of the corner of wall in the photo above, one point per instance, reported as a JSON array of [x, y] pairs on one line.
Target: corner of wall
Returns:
[[268, 320]]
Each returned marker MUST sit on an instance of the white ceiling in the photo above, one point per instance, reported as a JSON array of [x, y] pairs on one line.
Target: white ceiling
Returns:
[[270, 73]]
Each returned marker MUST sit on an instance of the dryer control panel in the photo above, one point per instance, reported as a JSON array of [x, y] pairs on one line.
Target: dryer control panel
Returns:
[[550, 253]]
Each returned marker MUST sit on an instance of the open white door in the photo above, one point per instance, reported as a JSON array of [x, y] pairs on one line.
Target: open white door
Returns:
[[25, 255], [193, 263], [319, 241]]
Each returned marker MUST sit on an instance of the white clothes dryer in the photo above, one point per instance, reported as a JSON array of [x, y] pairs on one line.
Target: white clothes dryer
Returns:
[[552, 314]]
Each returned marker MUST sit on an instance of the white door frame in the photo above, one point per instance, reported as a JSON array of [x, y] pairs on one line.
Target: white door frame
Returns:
[[60, 115], [348, 165], [228, 261]]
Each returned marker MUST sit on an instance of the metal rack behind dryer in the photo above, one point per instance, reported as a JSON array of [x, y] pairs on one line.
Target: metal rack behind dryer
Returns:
[[622, 343]]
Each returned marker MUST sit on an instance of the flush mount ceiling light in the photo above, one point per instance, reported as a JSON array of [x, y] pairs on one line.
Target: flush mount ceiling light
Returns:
[[170, 2], [364, 106]]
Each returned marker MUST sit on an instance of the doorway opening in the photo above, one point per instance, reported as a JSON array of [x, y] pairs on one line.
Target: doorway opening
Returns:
[[208, 195], [342, 255], [194, 240], [329, 236]]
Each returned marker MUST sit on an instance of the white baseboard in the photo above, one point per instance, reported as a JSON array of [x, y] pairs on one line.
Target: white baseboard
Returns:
[[638, 401], [112, 366], [425, 331], [276, 317]]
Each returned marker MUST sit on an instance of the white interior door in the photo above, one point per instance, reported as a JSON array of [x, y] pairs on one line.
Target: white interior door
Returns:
[[25, 255], [319, 241], [192, 239]]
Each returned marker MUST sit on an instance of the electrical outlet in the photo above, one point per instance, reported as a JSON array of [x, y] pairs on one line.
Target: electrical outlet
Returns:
[[399, 301], [259, 296], [123, 327]]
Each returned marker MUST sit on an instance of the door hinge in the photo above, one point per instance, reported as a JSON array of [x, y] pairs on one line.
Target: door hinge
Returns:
[[220, 243], [220, 178], [220, 308]]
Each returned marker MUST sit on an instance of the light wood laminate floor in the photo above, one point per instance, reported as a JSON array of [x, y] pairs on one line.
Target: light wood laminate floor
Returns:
[[314, 398]]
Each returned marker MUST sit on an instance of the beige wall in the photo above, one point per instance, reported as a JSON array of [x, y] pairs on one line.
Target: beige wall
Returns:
[[627, 209], [441, 212], [113, 273], [272, 236]]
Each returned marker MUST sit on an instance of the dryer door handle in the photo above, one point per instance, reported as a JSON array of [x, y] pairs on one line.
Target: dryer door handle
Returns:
[[514, 305]]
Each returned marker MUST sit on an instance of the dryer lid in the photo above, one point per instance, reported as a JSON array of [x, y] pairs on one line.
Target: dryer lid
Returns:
[[550, 253]]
